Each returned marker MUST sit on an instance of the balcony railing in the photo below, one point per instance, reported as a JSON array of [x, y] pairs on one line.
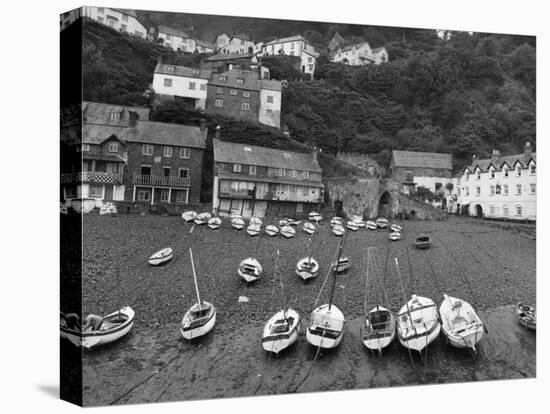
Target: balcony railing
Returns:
[[91, 177], [161, 180]]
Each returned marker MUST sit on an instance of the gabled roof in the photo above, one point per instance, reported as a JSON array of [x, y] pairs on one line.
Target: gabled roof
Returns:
[[249, 77], [415, 159], [230, 152], [184, 71], [509, 160], [356, 46], [172, 31], [147, 133], [295, 38], [100, 113], [241, 36]]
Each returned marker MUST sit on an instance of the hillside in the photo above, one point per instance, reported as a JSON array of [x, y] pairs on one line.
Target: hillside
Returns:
[[462, 93]]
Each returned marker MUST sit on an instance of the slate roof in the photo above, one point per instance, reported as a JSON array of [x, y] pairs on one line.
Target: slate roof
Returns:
[[147, 133], [230, 56], [357, 46], [203, 73], [241, 36], [415, 159], [499, 162], [172, 31], [231, 152], [96, 112]]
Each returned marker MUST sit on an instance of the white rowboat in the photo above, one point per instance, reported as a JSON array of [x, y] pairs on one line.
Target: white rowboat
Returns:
[[189, 215], [256, 220], [307, 268], [460, 323], [253, 229], [396, 228], [336, 221], [288, 232], [162, 256], [371, 225], [352, 225], [395, 236], [316, 217], [309, 228], [338, 230], [202, 218], [271, 230], [250, 269], [343, 265], [382, 222], [215, 223], [527, 316], [237, 223]]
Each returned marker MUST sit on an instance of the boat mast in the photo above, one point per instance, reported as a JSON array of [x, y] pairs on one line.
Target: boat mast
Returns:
[[334, 272], [195, 278]]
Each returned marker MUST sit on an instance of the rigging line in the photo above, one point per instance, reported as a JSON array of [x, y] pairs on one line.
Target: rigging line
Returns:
[[366, 277], [325, 281], [314, 359], [381, 283], [434, 277]]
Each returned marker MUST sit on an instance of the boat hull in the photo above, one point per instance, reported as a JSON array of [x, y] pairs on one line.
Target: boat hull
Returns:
[[307, 272], [377, 339], [157, 259], [425, 327], [326, 329], [199, 330], [460, 323], [277, 342]]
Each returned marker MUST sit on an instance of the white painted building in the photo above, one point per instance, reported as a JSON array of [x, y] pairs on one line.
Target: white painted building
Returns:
[[294, 46], [220, 42], [176, 39], [270, 103], [239, 43], [119, 19], [182, 82], [360, 54], [501, 186]]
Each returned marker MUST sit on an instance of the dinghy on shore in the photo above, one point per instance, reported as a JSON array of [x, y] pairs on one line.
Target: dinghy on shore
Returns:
[[338, 230], [288, 232], [309, 228], [336, 221], [307, 268], [282, 222], [162, 256], [418, 323], [316, 217], [460, 323], [292, 222], [215, 223], [396, 228], [395, 236], [189, 215], [378, 328], [423, 242], [253, 230], [114, 326], [271, 230], [382, 222], [343, 264], [201, 317], [237, 223], [527, 316], [255, 220], [352, 225], [250, 269], [202, 218], [371, 225]]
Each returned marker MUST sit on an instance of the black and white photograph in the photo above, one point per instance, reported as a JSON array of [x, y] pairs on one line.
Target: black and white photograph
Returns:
[[276, 206]]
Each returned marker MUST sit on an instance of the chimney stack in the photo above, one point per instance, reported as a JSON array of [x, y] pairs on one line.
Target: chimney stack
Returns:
[[496, 153], [203, 125], [528, 150], [218, 132]]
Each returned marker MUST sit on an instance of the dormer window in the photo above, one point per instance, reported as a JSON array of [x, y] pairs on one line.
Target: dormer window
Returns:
[[222, 78], [115, 116], [467, 176], [478, 175], [237, 168], [196, 72], [505, 171], [171, 69], [240, 81], [492, 173], [532, 169], [518, 171], [113, 146]]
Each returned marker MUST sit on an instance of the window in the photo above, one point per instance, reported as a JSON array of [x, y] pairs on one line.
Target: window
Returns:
[[268, 110], [181, 196], [467, 176], [505, 170], [96, 191], [70, 191], [269, 98], [240, 81], [492, 188], [246, 94], [164, 196], [85, 147], [505, 189], [203, 86], [183, 172], [192, 86], [219, 90], [281, 172], [113, 146], [252, 170], [168, 37], [518, 171], [409, 176], [100, 19], [292, 45], [533, 169], [167, 152], [147, 149], [242, 42], [518, 189], [222, 78], [293, 173], [144, 195], [533, 188], [168, 82], [497, 189], [245, 106], [233, 92], [218, 103], [237, 168], [478, 175], [467, 191], [292, 53], [185, 153], [115, 116], [478, 190], [166, 171], [123, 27], [505, 210], [491, 210], [518, 210], [310, 67], [492, 173], [310, 59], [306, 175], [145, 170]]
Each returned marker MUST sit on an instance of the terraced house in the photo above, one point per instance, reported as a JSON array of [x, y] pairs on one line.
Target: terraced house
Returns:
[[175, 38], [500, 186], [252, 180], [119, 19]]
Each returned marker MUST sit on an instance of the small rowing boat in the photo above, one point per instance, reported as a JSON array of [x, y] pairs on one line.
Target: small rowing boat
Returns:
[[253, 229], [343, 264], [215, 223], [378, 329], [162, 256], [418, 323], [371, 225], [395, 236], [307, 268], [113, 326], [423, 242], [396, 228], [282, 222], [338, 230], [271, 230], [281, 330], [250, 269], [460, 323], [189, 215], [202, 218], [309, 227], [527, 316], [316, 217], [352, 225], [292, 222], [237, 223], [382, 222], [288, 232], [336, 221]]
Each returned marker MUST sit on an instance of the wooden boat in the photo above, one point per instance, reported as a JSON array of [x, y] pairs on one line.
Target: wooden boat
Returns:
[[162, 256], [288, 232], [316, 217], [114, 326], [395, 236], [371, 225], [359, 221], [460, 323], [378, 328], [271, 230], [418, 323], [189, 215], [338, 230], [215, 223], [309, 228], [396, 228], [237, 223], [253, 230], [423, 242], [202, 218], [307, 268], [281, 330], [527, 316], [336, 221], [250, 269], [382, 222], [255, 220], [201, 317], [352, 225], [282, 222], [292, 222], [343, 264]]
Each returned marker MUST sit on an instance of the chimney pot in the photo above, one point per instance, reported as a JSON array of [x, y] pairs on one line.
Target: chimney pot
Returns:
[[218, 132]]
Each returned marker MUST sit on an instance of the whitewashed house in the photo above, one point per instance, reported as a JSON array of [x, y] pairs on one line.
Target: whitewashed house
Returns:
[[119, 19], [220, 42], [179, 81], [360, 54], [204, 46], [293, 46], [380, 55], [176, 39], [270, 103], [500, 186], [238, 44]]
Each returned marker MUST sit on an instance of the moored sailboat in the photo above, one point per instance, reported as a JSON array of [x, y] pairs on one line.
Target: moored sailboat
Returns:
[[418, 323], [460, 323]]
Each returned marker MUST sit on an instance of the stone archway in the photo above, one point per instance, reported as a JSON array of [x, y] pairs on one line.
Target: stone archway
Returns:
[[479, 211], [384, 205]]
